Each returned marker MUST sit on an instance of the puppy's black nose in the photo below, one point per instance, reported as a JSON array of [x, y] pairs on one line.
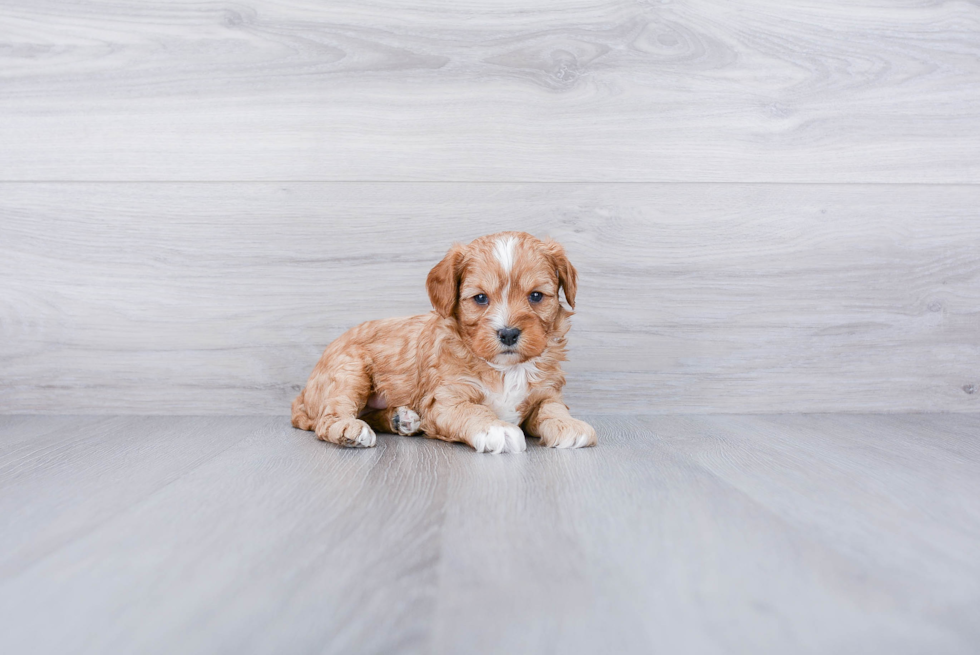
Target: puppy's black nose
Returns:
[[509, 336]]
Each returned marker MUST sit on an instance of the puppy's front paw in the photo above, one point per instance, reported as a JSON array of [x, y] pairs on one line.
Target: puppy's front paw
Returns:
[[567, 433], [499, 437], [352, 433], [405, 421]]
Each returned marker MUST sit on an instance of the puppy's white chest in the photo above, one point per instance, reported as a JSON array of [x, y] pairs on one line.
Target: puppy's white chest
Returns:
[[505, 401]]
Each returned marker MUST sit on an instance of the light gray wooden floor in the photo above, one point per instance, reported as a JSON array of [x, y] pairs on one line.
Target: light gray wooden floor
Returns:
[[784, 533]]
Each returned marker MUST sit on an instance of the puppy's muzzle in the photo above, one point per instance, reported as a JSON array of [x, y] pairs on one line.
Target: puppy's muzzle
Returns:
[[508, 336]]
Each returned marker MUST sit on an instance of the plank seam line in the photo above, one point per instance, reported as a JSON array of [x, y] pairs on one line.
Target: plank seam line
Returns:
[[502, 182]]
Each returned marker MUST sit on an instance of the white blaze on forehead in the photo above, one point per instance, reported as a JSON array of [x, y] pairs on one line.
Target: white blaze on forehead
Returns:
[[503, 250]]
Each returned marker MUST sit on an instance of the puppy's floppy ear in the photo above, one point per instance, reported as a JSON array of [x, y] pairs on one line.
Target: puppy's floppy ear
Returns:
[[567, 275], [443, 282]]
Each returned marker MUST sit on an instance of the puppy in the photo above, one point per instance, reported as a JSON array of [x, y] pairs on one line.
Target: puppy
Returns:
[[484, 364]]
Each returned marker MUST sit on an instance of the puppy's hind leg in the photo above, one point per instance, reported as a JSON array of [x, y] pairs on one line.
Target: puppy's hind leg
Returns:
[[301, 419], [337, 390], [396, 420], [405, 421]]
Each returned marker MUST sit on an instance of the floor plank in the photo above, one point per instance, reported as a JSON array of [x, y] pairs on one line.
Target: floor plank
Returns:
[[794, 91], [21, 431], [79, 473], [707, 534], [264, 544]]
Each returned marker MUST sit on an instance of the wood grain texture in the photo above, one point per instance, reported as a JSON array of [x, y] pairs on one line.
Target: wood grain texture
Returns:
[[48, 471], [757, 91], [695, 534], [218, 298]]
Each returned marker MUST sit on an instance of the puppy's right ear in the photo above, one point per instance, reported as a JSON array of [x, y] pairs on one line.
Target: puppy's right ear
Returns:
[[443, 282]]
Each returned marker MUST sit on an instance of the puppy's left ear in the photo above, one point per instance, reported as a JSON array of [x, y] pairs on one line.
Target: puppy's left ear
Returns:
[[443, 282], [567, 275]]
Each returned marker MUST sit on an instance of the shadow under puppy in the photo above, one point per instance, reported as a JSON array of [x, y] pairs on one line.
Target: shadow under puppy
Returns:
[[484, 364]]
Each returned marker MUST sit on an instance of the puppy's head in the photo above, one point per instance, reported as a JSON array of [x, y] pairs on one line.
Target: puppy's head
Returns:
[[502, 292]]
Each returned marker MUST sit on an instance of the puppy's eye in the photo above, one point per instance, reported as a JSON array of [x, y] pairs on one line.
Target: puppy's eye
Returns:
[[481, 299], [535, 296]]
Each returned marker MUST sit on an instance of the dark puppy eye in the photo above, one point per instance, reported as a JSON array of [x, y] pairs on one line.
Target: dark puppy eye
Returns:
[[481, 299], [535, 296]]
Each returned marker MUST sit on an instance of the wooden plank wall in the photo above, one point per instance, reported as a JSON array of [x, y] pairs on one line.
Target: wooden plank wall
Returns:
[[774, 206]]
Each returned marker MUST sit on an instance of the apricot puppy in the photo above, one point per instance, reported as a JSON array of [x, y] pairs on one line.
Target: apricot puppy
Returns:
[[485, 364]]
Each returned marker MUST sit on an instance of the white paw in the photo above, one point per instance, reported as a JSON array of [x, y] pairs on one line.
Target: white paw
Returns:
[[406, 422], [580, 440], [358, 434], [567, 433], [500, 437]]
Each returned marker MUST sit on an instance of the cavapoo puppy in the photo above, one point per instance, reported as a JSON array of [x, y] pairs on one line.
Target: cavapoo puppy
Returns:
[[485, 364]]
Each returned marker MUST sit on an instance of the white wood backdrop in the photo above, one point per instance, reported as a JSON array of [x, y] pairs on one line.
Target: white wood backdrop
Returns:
[[774, 205], [513, 90]]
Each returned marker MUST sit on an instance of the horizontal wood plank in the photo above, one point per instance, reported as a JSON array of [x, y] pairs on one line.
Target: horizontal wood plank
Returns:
[[218, 298], [791, 91]]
